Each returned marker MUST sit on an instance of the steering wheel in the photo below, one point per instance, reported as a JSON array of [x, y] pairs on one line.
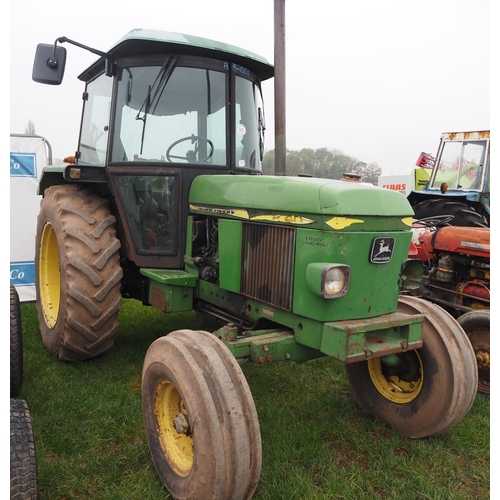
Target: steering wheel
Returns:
[[191, 154]]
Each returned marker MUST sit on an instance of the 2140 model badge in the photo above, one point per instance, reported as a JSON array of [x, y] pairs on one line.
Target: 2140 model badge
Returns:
[[382, 249]]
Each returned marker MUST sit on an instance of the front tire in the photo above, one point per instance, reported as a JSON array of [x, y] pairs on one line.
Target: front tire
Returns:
[[200, 419], [476, 325], [432, 388], [78, 273], [23, 465]]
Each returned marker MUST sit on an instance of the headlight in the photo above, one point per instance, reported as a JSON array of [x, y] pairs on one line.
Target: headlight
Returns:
[[328, 280], [335, 280]]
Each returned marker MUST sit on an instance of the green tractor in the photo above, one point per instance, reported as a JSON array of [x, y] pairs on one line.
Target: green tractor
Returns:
[[165, 202]]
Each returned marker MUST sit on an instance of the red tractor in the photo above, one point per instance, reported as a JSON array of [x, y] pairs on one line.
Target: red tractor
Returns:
[[456, 276]]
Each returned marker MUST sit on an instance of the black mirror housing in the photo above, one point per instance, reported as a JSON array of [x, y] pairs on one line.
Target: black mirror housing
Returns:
[[49, 65]]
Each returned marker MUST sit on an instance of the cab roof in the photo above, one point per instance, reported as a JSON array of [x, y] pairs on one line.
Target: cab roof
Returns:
[[144, 41]]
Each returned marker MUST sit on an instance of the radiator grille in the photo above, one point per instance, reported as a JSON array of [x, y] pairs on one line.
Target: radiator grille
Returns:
[[267, 263]]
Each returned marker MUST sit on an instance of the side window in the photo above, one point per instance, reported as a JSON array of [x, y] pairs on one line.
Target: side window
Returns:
[[249, 133], [95, 125]]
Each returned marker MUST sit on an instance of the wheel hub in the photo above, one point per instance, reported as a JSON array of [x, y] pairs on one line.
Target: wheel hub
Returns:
[[483, 358], [399, 383], [174, 431], [181, 424], [479, 339]]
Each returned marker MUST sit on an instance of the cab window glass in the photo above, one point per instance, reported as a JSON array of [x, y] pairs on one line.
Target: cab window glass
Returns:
[[152, 211], [177, 114], [249, 133], [95, 125]]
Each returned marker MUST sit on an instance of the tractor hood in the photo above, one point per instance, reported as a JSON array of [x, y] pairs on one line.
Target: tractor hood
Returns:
[[303, 195]]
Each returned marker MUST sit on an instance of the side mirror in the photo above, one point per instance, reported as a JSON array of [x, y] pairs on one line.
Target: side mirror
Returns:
[[50, 61]]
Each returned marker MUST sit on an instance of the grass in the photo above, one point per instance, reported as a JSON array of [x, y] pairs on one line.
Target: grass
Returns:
[[317, 443]]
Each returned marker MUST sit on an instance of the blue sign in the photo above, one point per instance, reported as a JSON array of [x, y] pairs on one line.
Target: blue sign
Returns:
[[22, 273], [23, 165]]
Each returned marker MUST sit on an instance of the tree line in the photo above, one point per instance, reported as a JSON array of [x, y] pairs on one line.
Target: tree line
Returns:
[[323, 162]]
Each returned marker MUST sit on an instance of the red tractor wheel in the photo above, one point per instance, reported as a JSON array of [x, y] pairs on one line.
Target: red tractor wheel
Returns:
[[476, 325]]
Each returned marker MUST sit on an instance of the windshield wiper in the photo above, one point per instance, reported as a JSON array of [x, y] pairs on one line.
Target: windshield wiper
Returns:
[[158, 85]]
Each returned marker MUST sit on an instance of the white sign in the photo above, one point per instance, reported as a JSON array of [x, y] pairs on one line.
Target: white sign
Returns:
[[402, 183], [28, 155]]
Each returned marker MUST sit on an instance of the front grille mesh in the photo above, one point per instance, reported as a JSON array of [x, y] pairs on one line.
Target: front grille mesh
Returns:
[[267, 263]]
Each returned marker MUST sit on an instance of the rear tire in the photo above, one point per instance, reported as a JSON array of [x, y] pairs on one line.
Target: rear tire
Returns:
[[432, 388], [16, 344], [442, 212], [78, 273], [476, 325], [200, 419], [23, 465]]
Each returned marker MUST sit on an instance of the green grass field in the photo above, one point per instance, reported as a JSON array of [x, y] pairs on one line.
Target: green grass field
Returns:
[[317, 443]]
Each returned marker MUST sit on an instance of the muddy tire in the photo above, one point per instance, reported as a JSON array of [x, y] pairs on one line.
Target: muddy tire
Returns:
[[200, 419], [441, 212], [78, 273], [432, 388], [23, 465], [476, 325], [16, 344]]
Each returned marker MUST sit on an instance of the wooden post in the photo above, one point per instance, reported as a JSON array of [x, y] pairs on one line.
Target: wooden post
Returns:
[[279, 88]]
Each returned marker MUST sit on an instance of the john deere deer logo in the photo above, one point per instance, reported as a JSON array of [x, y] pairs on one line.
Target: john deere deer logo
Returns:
[[382, 249]]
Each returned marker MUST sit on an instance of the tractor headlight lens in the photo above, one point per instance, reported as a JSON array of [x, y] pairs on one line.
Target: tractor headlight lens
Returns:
[[335, 280], [327, 280]]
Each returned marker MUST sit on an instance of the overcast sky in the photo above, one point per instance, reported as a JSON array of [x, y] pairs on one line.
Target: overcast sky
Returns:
[[378, 80]]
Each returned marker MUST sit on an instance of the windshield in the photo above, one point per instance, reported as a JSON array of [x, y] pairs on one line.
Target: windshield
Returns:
[[176, 111], [461, 165], [174, 114]]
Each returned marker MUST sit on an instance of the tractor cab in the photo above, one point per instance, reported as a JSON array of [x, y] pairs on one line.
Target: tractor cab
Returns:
[[459, 185], [160, 109]]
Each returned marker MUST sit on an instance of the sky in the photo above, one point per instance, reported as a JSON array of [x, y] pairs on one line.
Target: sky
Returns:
[[379, 81]]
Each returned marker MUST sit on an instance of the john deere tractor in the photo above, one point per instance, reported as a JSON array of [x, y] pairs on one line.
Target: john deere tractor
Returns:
[[165, 202]]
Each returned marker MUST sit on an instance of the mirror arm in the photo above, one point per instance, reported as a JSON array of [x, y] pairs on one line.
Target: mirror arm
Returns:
[[109, 59]]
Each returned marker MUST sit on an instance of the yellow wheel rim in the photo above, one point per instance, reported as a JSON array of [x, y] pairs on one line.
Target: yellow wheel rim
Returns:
[[398, 388], [173, 428], [49, 275]]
